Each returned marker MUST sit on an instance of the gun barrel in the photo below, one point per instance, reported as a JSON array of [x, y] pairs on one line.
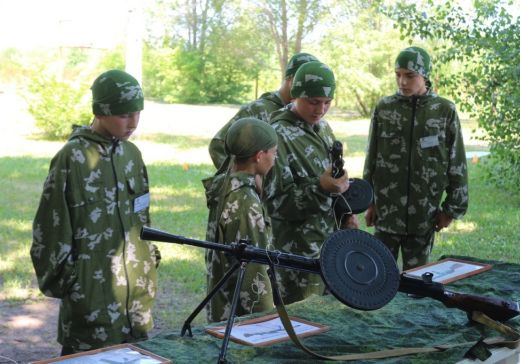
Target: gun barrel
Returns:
[[248, 253], [148, 233]]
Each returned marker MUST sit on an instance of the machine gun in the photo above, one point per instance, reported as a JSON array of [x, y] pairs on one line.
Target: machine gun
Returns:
[[357, 269]]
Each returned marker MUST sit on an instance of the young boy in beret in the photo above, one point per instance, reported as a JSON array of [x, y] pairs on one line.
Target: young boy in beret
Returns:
[[86, 249], [300, 188], [236, 212], [415, 154]]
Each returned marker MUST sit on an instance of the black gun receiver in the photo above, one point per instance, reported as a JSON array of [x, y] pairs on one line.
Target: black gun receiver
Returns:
[[336, 154]]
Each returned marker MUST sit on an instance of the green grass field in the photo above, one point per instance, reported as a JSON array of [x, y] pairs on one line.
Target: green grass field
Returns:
[[489, 230]]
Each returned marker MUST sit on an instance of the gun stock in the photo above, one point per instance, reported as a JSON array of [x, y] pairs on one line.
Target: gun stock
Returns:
[[495, 308]]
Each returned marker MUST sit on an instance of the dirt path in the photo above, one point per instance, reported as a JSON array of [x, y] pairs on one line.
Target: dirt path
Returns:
[[28, 331]]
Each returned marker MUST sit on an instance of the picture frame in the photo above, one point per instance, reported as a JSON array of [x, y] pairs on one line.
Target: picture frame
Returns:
[[267, 330], [449, 269], [122, 353]]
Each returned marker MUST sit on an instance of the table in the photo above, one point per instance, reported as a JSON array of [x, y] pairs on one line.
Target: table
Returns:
[[404, 322]]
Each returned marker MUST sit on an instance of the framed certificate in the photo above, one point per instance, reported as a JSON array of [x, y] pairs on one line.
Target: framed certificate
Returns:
[[449, 269], [123, 353], [267, 330]]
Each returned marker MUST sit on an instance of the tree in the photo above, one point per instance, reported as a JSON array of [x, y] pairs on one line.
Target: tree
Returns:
[[360, 46], [483, 38], [211, 44], [288, 22]]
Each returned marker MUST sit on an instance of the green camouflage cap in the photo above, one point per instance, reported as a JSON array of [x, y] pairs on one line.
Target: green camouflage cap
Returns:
[[296, 61], [248, 136], [116, 92], [313, 79], [414, 59]]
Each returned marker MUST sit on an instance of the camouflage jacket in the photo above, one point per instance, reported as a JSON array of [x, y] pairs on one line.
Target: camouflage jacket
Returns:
[[236, 212], [86, 248], [260, 109], [300, 211], [411, 165]]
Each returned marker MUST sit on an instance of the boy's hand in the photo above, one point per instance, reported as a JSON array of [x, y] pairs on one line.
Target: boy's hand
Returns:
[[333, 185]]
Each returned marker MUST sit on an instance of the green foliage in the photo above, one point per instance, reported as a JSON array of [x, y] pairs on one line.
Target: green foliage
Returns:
[[113, 59], [57, 105], [484, 41], [215, 59], [361, 50]]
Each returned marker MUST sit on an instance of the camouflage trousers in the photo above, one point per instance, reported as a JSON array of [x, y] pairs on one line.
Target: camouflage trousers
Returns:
[[415, 249]]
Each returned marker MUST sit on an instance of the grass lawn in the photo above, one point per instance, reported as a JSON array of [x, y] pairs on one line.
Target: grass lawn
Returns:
[[489, 230]]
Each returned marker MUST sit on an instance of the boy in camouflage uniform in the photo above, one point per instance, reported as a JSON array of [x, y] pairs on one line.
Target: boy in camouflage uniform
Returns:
[[86, 249], [300, 188], [236, 212], [415, 154], [259, 109]]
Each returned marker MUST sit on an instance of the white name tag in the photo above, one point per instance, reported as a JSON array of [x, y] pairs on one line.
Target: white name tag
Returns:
[[429, 141], [142, 202]]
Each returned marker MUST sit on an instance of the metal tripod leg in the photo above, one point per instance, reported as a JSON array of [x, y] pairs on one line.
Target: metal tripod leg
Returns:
[[187, 323], [232, 314]]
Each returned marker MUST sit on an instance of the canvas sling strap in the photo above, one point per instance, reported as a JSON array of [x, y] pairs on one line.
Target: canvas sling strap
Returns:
[[476, 316]]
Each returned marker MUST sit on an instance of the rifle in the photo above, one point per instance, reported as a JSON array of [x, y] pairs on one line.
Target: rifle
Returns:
[[496, 308]]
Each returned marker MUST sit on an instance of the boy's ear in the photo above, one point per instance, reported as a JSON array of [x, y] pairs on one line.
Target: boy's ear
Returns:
[[257, 156]]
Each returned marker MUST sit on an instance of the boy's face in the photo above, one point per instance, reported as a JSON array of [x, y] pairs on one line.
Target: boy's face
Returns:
[[117, 126], [312, 109], [409, 82]]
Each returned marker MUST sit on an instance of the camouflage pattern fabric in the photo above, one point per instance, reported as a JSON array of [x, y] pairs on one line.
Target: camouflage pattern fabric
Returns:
[[415, 154], [416, 249], [242, 217], [296, 61], [313, 79], [116, 92], [300, 211], [414, 59], [86, 248], [258, 109]]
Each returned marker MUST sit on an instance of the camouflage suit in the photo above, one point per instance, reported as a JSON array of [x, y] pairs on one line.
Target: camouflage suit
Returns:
[[259, 109], [415, 154], [301, 212], [86, 248], [240, 215]]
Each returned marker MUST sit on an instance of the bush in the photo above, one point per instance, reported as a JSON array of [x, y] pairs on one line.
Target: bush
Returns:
[[57, 105]]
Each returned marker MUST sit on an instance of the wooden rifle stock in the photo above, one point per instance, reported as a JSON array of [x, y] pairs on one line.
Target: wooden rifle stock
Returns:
[[495, 308]]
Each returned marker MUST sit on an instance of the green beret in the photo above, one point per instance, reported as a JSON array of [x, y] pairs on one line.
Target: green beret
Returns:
[[249, 135], [296, 61], [116, 92], [313, 79], [414, 59]]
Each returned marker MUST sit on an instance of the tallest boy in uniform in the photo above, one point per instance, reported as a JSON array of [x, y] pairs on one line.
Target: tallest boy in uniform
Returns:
[[415, 155], [259, 109]]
